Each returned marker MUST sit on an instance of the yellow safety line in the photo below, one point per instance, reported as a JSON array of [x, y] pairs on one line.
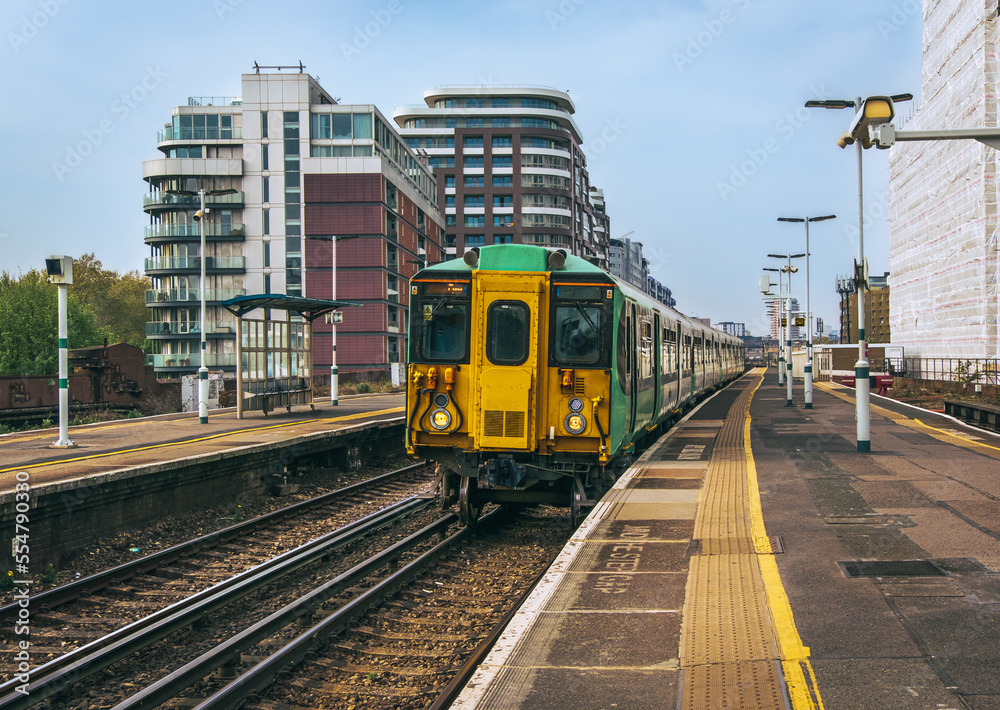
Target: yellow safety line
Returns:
[[948, 437], [203, 438], [802, 692]]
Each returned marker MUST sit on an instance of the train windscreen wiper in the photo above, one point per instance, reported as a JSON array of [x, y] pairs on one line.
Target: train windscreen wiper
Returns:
[[579, 306]]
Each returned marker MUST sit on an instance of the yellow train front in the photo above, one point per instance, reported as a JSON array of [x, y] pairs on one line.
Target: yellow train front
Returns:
[[526, 375]]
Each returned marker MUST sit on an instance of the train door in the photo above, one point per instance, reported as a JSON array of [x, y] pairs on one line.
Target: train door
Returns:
[[631, 357], [506, 346], [658, 379]]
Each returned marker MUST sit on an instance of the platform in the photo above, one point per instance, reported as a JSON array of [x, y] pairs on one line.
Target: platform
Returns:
[[754, 559], [131, 443]]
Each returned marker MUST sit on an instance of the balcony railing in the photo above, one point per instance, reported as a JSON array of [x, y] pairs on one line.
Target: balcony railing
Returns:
[[165, 199], [160, 231], [168, 295], [187, 327], [180, 263], [966, 371], [192, 360], [200, 134]]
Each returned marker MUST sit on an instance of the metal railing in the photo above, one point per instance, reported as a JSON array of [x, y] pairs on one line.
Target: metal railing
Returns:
[[186, 327], [191, 360], [176, 263], [199, 134], [161, 295], [192, 201], [941, 369], [229, 229]]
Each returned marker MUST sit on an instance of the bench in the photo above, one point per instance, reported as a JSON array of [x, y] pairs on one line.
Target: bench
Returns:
[[879, 383]]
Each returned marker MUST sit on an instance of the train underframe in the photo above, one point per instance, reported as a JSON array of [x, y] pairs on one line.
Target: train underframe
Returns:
[[472, 479]]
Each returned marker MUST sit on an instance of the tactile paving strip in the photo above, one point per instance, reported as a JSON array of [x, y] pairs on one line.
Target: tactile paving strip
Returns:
[[729, 652]]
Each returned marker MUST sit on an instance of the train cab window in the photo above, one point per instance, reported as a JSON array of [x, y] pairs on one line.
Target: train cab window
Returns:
[[439, 323], [507, 332], [578, 325]]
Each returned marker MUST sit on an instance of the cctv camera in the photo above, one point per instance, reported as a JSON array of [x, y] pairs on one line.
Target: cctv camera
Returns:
[[199, 214]]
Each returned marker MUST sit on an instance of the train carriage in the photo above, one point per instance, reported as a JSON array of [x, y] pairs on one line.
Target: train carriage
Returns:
[[534, 375]]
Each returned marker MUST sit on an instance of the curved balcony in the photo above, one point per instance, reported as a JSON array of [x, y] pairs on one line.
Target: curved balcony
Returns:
[[200, 134], [193, 263], [165, 201], [191, 295], [187, 327], [166, 233], [191, 360]]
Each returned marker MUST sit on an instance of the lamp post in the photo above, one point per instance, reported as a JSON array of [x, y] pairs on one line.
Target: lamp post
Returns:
[[789, 269], [199, 217], [778, 302], [861, 370], [334, 379], [809, 317]]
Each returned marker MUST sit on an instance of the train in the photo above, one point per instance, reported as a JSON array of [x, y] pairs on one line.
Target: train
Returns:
[[535, 376]]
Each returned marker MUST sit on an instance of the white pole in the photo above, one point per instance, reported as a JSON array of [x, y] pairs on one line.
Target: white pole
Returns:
[[781, 332], [862, 392], [203, 369], [788, 338], [63, 369], [808, 395], [334, 381]]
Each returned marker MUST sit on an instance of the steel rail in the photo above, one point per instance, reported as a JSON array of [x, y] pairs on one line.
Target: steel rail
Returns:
[[263, 674], [52, 678], [457, 683], [95, 582], [168, 687]]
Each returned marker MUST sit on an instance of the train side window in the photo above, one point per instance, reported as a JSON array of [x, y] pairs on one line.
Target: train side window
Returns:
[[507, 332], [645, 351]]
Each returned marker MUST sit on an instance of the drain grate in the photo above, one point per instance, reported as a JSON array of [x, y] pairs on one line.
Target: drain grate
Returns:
[[891, 568]]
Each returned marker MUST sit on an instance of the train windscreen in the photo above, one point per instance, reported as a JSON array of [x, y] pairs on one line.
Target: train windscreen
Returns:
[[439, 326], [578, 318]]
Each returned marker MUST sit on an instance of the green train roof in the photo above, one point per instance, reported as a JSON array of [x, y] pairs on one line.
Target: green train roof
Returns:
[[517, 257]]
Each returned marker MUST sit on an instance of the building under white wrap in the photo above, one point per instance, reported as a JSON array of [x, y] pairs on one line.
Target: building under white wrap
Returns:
[[943, 215]]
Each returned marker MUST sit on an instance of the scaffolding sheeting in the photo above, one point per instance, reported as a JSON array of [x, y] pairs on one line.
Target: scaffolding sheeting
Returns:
[[943, 214]]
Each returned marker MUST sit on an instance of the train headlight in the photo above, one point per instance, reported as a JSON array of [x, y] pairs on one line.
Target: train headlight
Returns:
[[576, 405], [441, 400], [440, 419], [575, 423]]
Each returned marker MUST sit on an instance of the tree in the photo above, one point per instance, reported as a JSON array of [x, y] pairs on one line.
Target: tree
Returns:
[[29, 327], [119, 301]]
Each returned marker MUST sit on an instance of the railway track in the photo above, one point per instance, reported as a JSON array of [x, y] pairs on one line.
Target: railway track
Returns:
[[66, 617], [268, 619]]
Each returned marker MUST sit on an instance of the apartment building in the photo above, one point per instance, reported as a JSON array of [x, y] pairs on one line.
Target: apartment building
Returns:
[[285, 169], [509, 168]]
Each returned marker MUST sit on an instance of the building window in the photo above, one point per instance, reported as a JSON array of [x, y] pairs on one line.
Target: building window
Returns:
[[475, 220], [501, 123], [472, 141], [392, 316], [267, 221], [449, 200], [449, 240], [266, 189], [392, 289], [501, 141], [503, 238], [503, 220], [474, 103], [474, 201], [390, 196], [501, 161], [501, 103], [473, 123], [267, 253], [472, 240], [263, 157], [503, 200], [393, 349], [503, 181], [451, 123], [263, 124], [449, 181], [476, 161], [473, 181], [449, 220]]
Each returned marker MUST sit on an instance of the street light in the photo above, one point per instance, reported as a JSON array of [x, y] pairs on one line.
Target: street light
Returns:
[[334, 380], [809, 315], [861, 371], [777, 301], [789, 269], [199, 217]]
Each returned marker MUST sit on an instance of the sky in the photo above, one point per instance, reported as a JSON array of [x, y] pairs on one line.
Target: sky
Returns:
[[691, 113]]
